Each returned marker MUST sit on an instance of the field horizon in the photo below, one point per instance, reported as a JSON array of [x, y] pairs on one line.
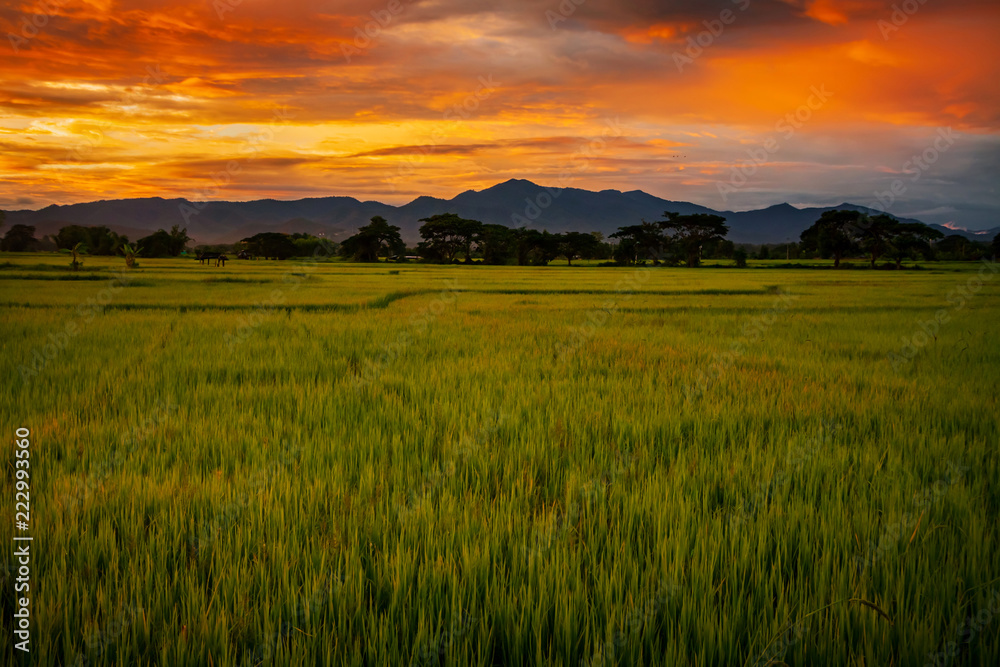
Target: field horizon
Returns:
[[324, 463]]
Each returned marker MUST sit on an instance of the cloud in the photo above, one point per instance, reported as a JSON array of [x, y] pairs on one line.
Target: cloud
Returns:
[[155, 97]]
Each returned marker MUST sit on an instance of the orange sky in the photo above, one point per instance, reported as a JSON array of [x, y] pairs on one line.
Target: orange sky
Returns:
[[247, 99]]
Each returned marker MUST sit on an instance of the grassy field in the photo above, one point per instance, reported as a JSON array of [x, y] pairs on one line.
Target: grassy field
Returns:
[[322, 464]]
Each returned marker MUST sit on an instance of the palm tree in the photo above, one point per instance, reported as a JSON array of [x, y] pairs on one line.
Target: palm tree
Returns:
[[77, 250], [131, 252]]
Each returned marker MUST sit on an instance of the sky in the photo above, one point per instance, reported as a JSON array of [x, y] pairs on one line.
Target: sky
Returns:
[[732, 104]]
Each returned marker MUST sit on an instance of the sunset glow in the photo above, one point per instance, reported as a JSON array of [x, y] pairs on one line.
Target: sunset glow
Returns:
[[248, 99]]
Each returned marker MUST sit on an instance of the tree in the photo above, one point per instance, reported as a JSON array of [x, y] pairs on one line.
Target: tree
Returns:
[[831, 235], [100, 240], [131, 253], [270, 245], [76, 251], [525, 241], [19, 238], [910, 238], [70, 235], [165, 244], [447, 234], [996, 247], [376, 238], [875, 234], [498, 244], [740, 256], [690, 232], [723, 249], [469, 231], [578, 244], [955, 246], [535, 248], [103, 241], [157, 244], [639, 241], [307, 245], [178, 240]]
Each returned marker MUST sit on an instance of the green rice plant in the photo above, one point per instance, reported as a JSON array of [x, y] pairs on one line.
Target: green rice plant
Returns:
[[484, 500]]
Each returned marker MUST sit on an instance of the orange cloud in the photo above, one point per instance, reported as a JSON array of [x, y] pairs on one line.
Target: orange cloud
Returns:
[[149, 97]]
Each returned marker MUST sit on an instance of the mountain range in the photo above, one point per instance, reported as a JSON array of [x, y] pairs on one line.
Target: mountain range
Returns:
[[513, 203]]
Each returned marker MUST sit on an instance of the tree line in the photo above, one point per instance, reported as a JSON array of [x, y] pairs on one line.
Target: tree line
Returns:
[[448, 238], [675, 240], [100, 240], [97, 240]]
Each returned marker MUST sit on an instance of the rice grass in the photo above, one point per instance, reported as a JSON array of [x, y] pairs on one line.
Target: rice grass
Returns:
[[504, 466]]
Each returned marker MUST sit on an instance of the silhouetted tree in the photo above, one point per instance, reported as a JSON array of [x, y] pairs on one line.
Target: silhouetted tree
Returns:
[[498, 244], [447, 234], [639, 242], [270, 245], [444, 235], [131, 253], [578, 244], [307, 245], [910, 238], [77, 251], [690, 232], [70, 235], [376, 238], [955, 246], [165, 244], [831, 235], [537, 248], [19, 238]]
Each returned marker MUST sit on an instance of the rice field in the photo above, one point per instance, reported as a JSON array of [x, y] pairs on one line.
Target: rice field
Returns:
[[278, 463]]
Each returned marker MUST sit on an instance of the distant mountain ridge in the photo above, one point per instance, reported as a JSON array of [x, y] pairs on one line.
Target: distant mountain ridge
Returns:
[[513, 203]]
